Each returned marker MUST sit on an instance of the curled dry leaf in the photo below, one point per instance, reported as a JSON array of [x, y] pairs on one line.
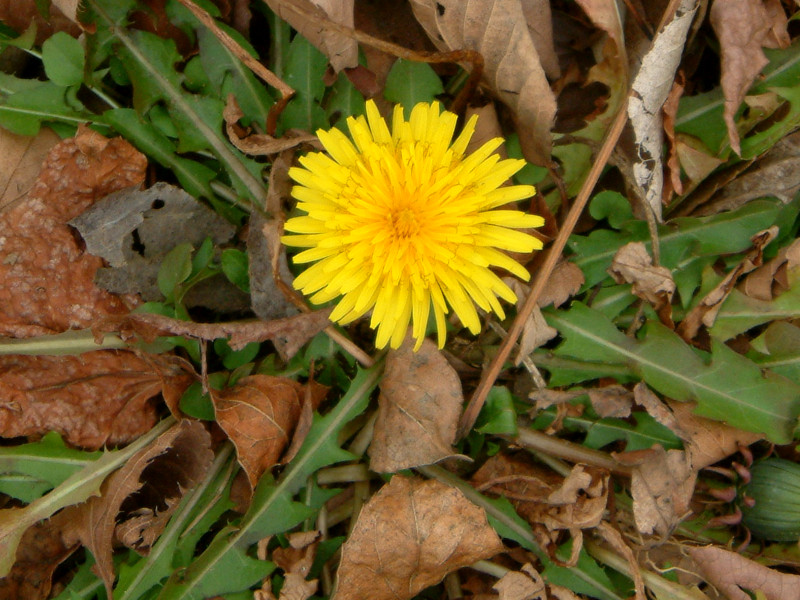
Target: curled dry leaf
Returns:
[[549, 502], [288, 334], [525, 584], [418, 409], [260, 144], [653, 284], [651, 86], [296, 562], [705, 312], [611, 401], [308, 16], [731, 573], [743, 28], [259, 414], [48, 280], [497, 29], [772, 278], [92, 400], [662, 485], [408, 537], [155, 478]]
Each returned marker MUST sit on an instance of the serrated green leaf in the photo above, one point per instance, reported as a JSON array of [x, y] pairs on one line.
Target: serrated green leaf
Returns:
[[740, 312], [26, 104], [24, 41], [409, 83], [48, 461], [272, 509], [781, 353], [587, 577], [150, 63], [193, 176], [498, 415], [305, 69], [63, 58], [730, 388], [683, 241], [75, 489], [645, 434]]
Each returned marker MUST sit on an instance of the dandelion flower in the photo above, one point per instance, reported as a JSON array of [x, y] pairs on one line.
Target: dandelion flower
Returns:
[[403, 222]]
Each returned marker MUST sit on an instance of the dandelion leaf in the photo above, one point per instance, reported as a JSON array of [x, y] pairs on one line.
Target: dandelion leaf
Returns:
[[729, 387], [272, 509]]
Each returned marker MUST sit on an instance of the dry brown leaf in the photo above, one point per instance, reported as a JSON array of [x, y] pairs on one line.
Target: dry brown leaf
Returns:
[[525, 584], [408, 537], [673, 182], [289, 333], [662, 486], [564, 282], [21, 14], [269, 268], [695, 159], [653, 284], [259, 414], [48, 280], [709, 441], [705, 312], [159, 473], [731, 573], [561, 593], [656, 408], [95, 399], [651, 86], [549, 502], [20, 159], [296, 562], [743, 27], [772, 278], [260, 144], [611, 401], [497, 29], [539, 18], [341, 50], [39, 553], [418, 409], [617, 542]]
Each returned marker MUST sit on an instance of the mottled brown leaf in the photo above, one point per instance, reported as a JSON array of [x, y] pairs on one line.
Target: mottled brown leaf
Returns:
[[418, 409], [497, 29], [48, 280], [408, 537], [731, 573], [743, 28], [296, 562], [155, 478], [259, 414], [95, 399]]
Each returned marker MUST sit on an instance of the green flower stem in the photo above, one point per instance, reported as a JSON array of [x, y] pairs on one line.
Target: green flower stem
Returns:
[[69, 342]]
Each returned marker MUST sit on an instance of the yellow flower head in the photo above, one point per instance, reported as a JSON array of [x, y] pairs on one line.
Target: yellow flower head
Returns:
[[402, 221]]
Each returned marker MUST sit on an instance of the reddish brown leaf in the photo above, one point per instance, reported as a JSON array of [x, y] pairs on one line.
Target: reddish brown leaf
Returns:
[[48, 281], [259, 414], [95, 399], [157, 475], [408, 537], [20, 158], [418, 409]]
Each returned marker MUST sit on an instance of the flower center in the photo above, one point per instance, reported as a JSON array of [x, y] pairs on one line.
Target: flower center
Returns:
[[404, 223]]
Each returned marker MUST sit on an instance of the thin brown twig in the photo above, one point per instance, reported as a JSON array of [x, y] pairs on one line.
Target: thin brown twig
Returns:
[[553, 253]]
